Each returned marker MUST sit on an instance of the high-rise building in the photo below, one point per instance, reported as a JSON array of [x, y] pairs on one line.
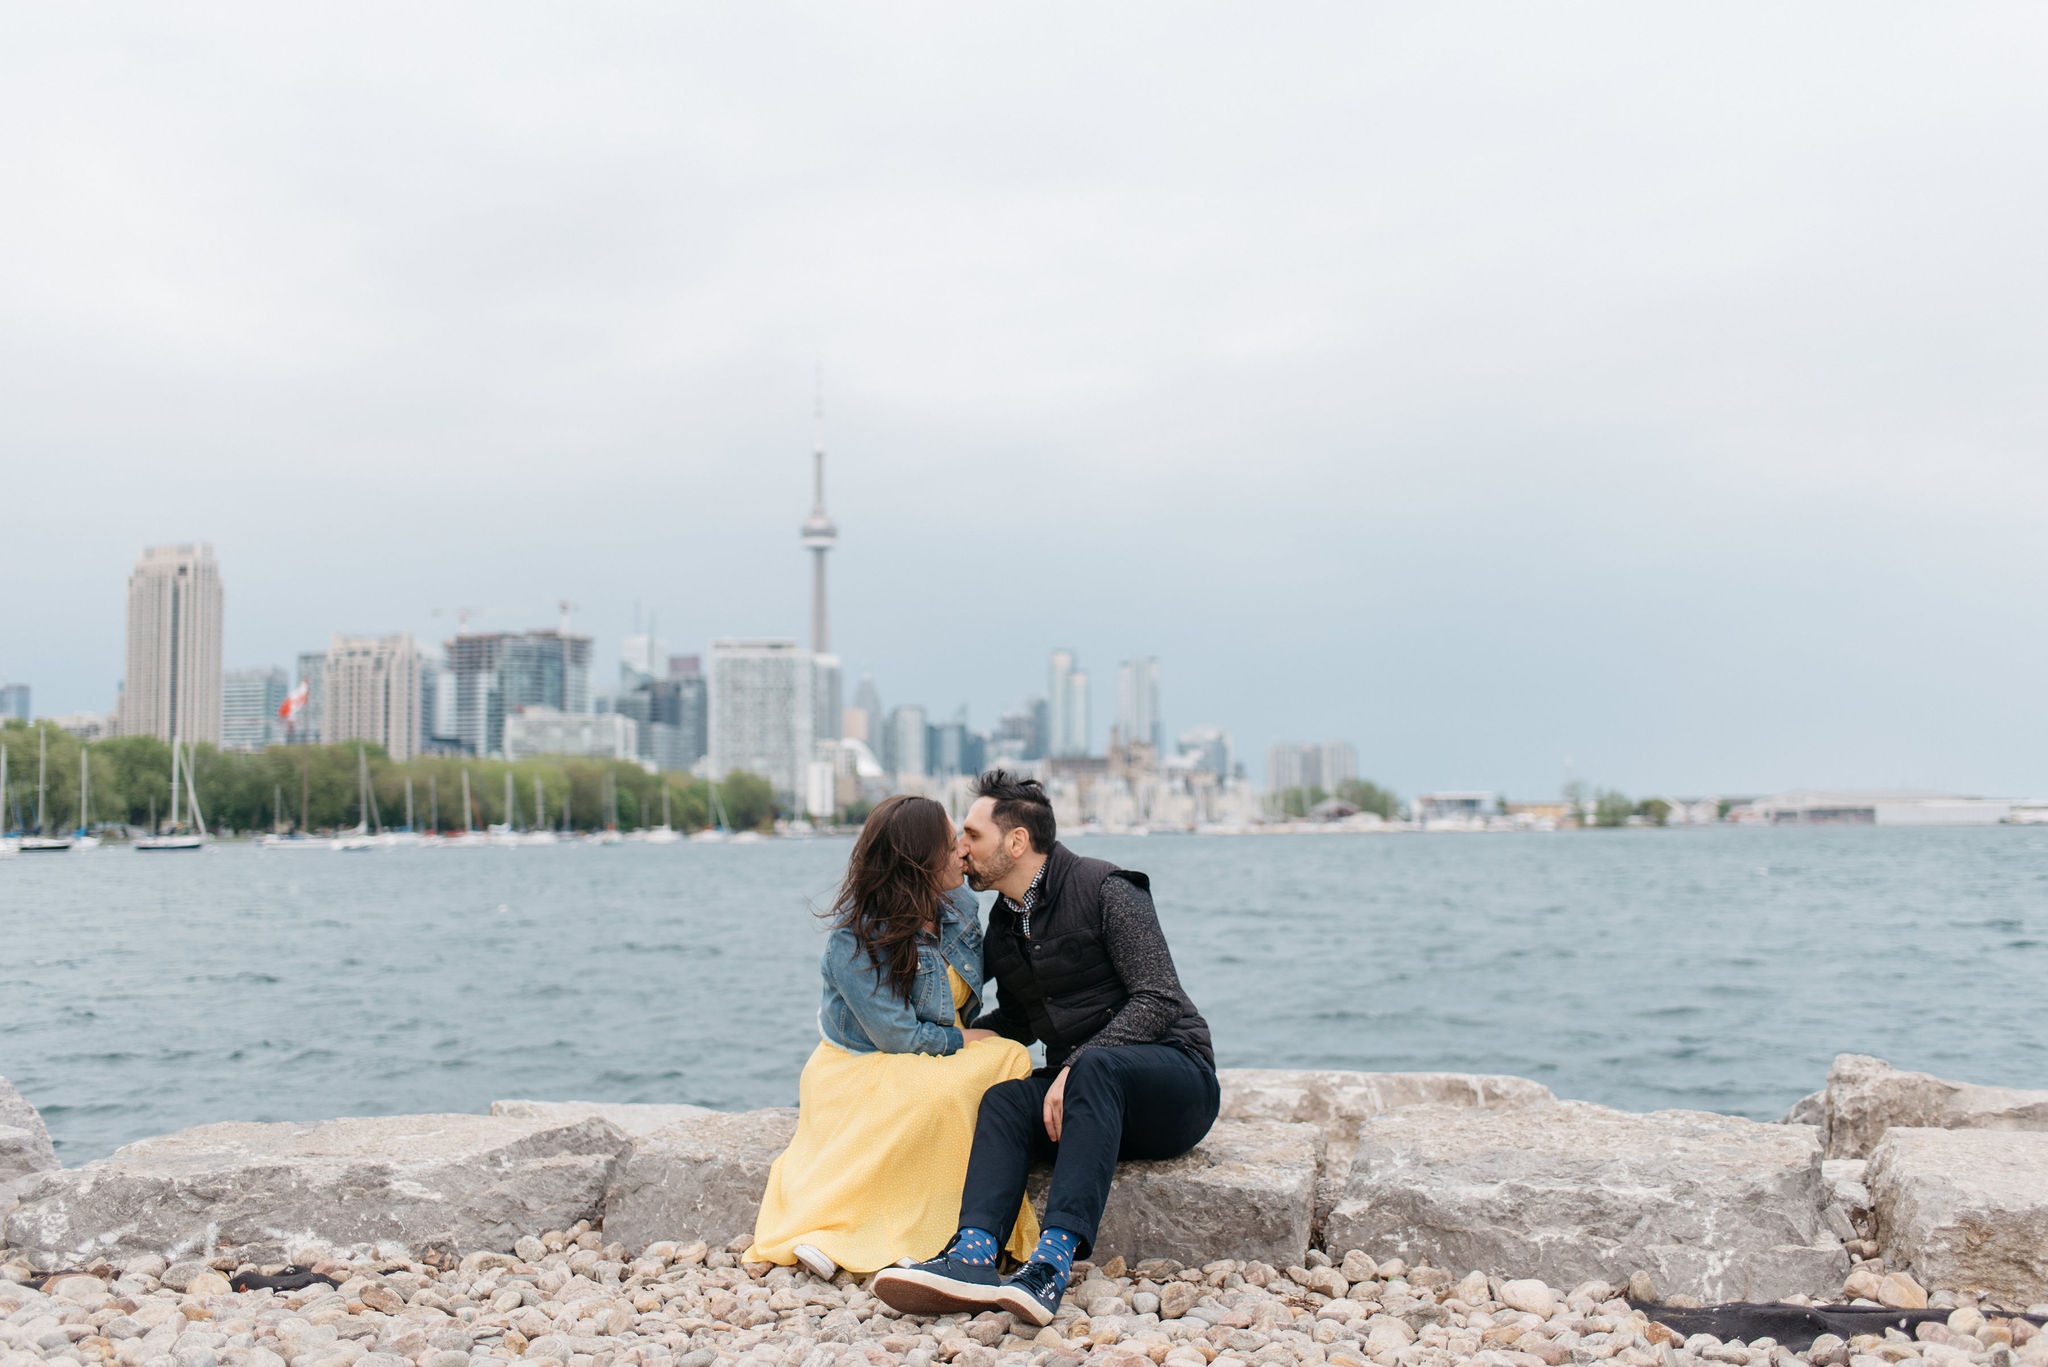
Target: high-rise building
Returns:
[[1067, 707], [1137, 703], [538, 730], [373, 693], [1211, 747], [249, 699], [863, 721], [498, 671], [641, 658], [1322, 765], [172, 685], [906, 741], [305, 727], [760, 712], [828, 721], [14, 701]]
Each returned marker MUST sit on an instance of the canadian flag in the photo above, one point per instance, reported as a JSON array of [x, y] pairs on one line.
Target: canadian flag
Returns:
[[294, 702]]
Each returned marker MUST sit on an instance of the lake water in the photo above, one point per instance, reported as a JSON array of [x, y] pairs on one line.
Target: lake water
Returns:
[[1718, 968]]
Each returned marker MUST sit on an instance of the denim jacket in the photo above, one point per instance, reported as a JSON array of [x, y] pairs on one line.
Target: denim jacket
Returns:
[[862, 1014]]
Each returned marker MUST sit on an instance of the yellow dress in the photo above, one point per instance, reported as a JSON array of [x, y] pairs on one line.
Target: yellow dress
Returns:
[[875, 1169]]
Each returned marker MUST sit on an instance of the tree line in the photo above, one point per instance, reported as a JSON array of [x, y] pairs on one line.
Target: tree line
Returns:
[[315, 788], [1363, 794]]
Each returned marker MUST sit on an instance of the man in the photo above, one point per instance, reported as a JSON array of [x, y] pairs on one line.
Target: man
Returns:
[[1076, 952]]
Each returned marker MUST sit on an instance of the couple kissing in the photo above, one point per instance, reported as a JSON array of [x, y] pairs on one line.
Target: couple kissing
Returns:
[[919, 1113]]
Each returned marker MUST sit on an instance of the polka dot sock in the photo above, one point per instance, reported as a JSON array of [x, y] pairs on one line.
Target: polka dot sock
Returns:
[[976, 1246], [1056, 1246]]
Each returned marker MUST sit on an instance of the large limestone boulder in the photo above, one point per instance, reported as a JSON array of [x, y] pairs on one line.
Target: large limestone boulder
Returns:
[[421, 1181], [1339, 1102], [25, 1148], [1246, 1191], [634, 1120], [1866, 1096], [699, 1177], [1965, 1209], [1709, 1205]]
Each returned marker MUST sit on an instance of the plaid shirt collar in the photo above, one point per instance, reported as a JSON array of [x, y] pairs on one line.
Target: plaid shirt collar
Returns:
[[1024, 908]]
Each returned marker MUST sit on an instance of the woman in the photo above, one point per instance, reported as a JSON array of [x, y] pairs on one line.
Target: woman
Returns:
[[887, 1102]]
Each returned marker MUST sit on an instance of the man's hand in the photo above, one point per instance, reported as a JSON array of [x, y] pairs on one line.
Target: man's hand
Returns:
[[1056, 1105], [968, 1037]]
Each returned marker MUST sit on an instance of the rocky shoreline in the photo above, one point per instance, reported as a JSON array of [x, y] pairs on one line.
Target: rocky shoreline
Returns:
[[1397, 1220]]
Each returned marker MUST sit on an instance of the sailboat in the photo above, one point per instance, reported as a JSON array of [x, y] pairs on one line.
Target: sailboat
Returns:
[[506, 832], [8, 844], [610, 834], [719, 830], [42, 842], [540, 834], [360, 838], [665, 833], [175, 838], [86, 839], [470, 835]]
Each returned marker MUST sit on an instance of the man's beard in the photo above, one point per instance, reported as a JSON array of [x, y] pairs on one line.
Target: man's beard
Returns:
[[983, 877]]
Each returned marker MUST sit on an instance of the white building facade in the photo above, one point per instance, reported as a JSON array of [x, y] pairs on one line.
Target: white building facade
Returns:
[[373, 693], [249, 702], [172, 686], [540, 730], [761, 713]]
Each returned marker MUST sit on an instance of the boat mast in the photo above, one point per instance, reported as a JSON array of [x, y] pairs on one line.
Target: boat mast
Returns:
[[84, 778], [174, 783], [540, 806], [433, 805], [192, 795], [408, 802], [42, 757], [465, 802], [511, 811]]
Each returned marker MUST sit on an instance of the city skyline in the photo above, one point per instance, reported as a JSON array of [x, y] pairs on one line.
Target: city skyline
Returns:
[[1663, 404]]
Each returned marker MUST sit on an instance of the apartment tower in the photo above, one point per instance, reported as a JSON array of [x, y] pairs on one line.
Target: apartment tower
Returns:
[[172, 687]]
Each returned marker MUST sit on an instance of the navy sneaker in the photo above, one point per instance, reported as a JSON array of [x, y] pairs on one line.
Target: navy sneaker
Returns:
[[1034, 1293], [944, 1285]]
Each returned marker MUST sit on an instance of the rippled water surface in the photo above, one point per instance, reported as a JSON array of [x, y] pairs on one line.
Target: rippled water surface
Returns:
[[1720, 968]]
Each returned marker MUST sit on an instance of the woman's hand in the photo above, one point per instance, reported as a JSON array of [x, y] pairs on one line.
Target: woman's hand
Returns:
[[1056, 1105], [968, 1037]]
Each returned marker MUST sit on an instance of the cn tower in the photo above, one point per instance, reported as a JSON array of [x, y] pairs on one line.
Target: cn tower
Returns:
[[819, 536]]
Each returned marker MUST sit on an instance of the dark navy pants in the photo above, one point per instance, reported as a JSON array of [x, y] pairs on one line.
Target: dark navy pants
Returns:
[[1147, 1101]]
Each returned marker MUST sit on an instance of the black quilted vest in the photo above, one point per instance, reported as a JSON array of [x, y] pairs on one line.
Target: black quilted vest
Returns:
[[1062, 977]]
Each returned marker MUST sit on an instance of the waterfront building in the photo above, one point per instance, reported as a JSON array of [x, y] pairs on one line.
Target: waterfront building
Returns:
[[87, 726], [1137, 702], [373, 693], [641, 660], [496, 672], [952, 748], [1457, 809], [536, 729], [906, 741], [249, 699], [828, 721], [1210, 748], [863, 720], [14, 701], [1322, 765], [304, 728], [760, 713], [1067, 710], [1816, 807], [171, 688]]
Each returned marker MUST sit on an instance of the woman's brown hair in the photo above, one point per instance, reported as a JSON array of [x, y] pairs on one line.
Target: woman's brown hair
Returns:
[[895, 883]]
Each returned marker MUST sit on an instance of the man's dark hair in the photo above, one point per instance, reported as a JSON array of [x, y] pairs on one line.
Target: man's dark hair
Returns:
[[1020, 802]]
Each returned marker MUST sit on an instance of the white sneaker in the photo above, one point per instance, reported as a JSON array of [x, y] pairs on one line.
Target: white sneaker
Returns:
[[815, 1262]]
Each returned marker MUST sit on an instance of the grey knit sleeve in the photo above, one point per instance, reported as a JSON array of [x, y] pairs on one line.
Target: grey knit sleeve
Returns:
[[1137, 950]]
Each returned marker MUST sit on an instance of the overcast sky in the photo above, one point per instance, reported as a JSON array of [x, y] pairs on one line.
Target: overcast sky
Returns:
[[1660, 387]]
